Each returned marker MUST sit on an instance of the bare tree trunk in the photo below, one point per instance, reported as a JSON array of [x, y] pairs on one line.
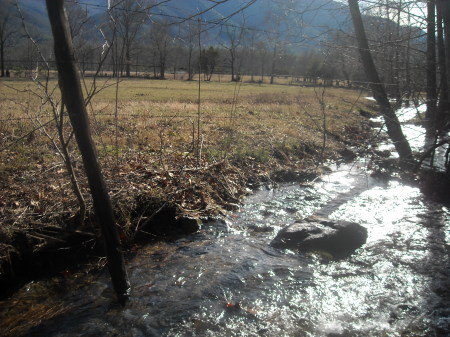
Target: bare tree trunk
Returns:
[[444, 6], [162, 67], [2, 56], [69, 81], [115, 61], [272, 70], [408, 62], [190, 71], [444, 102], [69, 166], [392, 124], [232, 64], [398, 85], [430, 114], [127, 62]]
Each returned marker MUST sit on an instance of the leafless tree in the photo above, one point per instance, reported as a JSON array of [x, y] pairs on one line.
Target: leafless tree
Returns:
[[81, 29], [263, 53], [276, 20], [7, 30], [162, 42], [234, 40], [128, 18], [444, 101], [72, 93], [431, 66], [251, 53], [189, 37], [397, 46], [444, 10], [393, 126]]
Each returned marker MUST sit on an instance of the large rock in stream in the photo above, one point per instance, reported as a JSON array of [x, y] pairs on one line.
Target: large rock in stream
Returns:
[[339, 238]]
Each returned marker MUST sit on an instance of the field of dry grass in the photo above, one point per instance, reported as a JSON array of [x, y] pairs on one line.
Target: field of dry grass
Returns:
[[161, 116], [149, 134]]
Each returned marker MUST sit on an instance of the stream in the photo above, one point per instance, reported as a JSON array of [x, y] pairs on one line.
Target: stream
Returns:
[[226, 280]]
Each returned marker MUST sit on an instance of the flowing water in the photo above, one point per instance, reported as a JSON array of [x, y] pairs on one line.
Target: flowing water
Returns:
[[227, 280]]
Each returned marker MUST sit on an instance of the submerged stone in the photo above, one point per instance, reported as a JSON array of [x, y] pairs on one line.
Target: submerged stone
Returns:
[[339, 238]]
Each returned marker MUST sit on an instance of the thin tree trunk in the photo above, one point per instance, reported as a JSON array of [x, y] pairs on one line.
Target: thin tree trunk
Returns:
[[162, 68], [397, 46], [385, 66], [262, 71], [69, 166], [392, 124], [69, 81], [430, 114], [190, 70], [272, 70], [114, 59], [408, 63], [128, 62], [444, 103], [137, 65], [233, 77], [2, 55], [445, 11]]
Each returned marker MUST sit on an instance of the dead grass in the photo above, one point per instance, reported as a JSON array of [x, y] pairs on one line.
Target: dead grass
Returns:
[[20, 324], [149, 147]]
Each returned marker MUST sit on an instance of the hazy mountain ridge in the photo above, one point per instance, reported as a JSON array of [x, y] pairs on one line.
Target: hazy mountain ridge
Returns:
[[310, 18], [35, 15]]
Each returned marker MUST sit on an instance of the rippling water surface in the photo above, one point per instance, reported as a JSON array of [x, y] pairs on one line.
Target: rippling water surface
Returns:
[[227, 280]]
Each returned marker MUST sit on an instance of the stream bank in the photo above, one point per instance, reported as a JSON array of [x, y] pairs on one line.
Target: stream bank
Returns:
[[43, 237], [227, 280]]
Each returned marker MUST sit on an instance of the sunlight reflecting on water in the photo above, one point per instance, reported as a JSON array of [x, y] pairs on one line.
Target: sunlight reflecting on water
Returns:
[[228, 281], [383, 209], [415, 133]]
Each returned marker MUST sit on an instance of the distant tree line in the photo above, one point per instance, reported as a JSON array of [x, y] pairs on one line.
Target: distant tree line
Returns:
[[137, 42]]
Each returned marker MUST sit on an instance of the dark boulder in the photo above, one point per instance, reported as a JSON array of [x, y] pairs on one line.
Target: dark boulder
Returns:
[[365, 113], [348, 155], [163, 219], [339, 238], [167, 223]]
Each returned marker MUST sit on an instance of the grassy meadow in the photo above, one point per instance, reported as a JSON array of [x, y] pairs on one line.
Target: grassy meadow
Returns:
[[161, 118], [154, 138]]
